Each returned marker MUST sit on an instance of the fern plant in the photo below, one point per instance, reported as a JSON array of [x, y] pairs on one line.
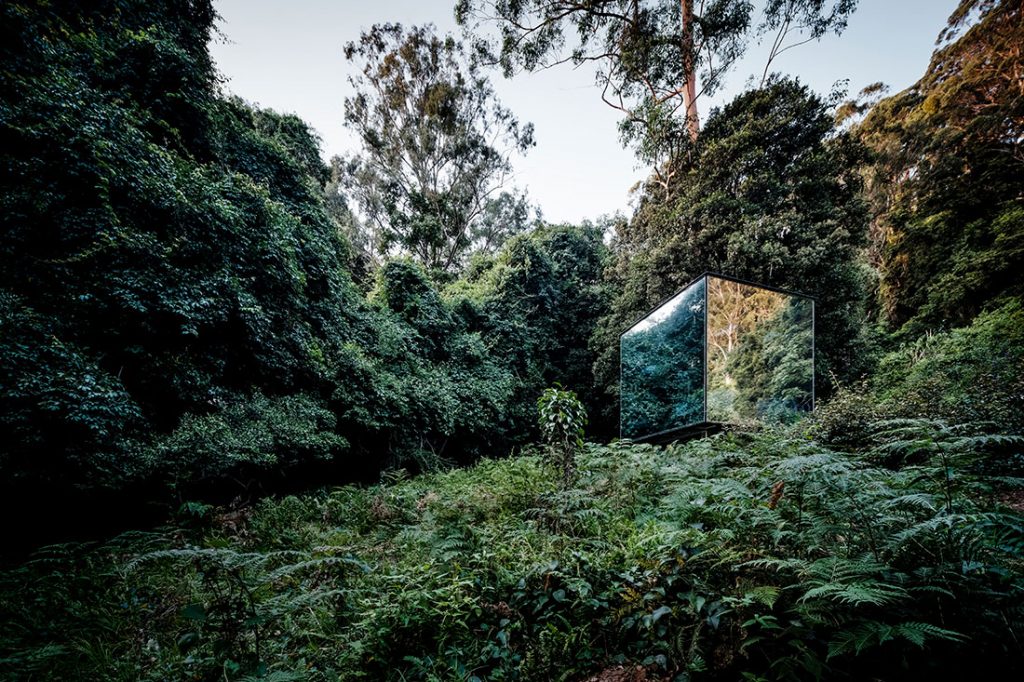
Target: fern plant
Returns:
[[240, 596], [762, 556]]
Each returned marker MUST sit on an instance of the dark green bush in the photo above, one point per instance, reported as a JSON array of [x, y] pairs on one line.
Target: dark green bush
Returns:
[[174, 296], [63, 419], [966, 375], [971, 373], [248, 435]]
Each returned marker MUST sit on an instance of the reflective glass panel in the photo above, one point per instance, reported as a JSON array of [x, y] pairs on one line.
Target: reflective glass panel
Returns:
[[662, 356], [760, 350]]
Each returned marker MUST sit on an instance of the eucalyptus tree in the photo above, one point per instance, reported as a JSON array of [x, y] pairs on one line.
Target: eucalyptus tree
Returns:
[[436, 145], [656, 58]]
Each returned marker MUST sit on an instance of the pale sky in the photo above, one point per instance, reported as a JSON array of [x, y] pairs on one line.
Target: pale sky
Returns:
[[287, 55]]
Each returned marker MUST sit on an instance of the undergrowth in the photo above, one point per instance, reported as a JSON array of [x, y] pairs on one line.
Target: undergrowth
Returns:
[[746, 556]]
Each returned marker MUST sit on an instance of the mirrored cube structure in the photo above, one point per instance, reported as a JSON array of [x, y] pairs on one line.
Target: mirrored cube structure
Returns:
[[720, 351]]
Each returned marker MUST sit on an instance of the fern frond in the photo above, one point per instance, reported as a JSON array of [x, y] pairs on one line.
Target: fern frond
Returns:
[[276, 676], [866, 592], [868, 634], [766, 595], [920, 501], [289, 570]]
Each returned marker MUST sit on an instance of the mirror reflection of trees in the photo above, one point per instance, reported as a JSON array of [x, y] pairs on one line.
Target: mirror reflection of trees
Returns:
[[663, 367], [756, 345], [760, 353]]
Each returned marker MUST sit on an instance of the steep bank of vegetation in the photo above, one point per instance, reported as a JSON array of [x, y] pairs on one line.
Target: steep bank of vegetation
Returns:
[[176, 309], [944, 181]]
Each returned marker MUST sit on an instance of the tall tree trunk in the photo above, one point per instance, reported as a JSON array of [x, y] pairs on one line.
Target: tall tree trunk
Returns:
[[689, 72]]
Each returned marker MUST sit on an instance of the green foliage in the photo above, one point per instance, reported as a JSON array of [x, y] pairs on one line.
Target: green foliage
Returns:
[[847, 419], [772, 365], [765, 555], [175, 308], [538, 303], [562, 419], [969, 374], [239, 605], [61, 416], [248, 435], [944, 177], [165, 249], [174, 298], [435, 390]]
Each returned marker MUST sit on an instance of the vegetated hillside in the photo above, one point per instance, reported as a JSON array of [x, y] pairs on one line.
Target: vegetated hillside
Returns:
[[945, 184], [753, 556], [175, 309]]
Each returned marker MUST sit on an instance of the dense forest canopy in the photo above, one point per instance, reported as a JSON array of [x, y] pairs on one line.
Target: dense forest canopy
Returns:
[[176, 305], [199, 317], [178, 263], [187, 295]]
